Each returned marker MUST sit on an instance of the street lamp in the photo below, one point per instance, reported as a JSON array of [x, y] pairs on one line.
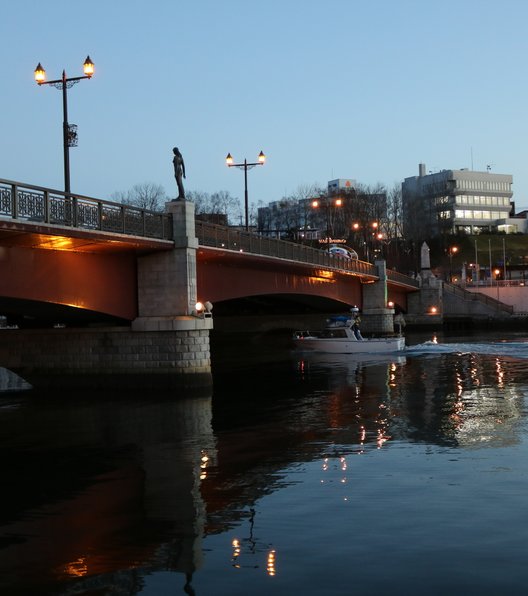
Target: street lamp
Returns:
[[327, 202], [69, 132], [246, 166], [369, 233], [497, 273], [452, 251]]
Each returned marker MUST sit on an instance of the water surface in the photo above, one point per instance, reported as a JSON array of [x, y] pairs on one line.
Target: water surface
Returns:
[[402, 474]]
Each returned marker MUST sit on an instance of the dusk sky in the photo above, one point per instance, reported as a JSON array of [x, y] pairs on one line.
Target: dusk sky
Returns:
[[335, 89]]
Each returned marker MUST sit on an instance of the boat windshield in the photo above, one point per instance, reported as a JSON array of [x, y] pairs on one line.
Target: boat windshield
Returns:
[[335, 333]]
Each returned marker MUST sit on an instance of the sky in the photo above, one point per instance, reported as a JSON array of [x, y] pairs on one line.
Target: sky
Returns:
[[337, 89]]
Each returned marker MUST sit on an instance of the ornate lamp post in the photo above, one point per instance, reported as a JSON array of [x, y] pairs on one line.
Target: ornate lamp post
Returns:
[[69, 132], [246, 166], [327, 203], [369, 233]]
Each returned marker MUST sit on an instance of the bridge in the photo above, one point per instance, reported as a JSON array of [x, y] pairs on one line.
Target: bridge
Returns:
[[71, 260]]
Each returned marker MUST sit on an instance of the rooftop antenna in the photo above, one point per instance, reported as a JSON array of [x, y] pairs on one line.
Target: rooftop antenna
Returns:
[[472, 158]]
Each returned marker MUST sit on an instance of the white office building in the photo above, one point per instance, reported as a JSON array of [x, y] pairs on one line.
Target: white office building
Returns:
[[458, 201]]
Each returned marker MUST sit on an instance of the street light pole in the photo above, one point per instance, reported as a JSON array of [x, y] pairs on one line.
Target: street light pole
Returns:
[[246, 166], [452, 250], [69, 134], [326, 201]]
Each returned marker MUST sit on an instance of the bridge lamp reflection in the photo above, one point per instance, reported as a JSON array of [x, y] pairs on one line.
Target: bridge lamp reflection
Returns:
[[204, 462]]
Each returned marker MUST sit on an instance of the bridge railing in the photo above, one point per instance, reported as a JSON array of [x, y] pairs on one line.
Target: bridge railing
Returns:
[[475, 296], [236, 240], [233, 239], [37, 204]]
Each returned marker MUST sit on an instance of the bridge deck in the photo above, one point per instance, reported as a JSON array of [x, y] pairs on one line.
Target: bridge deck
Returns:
[[37, 217]]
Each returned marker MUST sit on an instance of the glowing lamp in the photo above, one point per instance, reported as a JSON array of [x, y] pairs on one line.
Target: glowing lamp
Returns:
[[88, 67], [261, 158], [229, 159], [40, 74]]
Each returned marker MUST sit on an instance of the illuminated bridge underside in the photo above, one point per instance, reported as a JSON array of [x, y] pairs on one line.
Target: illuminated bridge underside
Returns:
[[39, 282], [59, 274], [225, 275], [65, 275]]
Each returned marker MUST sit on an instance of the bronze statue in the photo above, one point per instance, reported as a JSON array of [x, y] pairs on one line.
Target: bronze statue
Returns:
[[179, 171]]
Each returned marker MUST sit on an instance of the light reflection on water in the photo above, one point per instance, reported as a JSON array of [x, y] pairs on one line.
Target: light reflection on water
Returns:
[[322, 475]]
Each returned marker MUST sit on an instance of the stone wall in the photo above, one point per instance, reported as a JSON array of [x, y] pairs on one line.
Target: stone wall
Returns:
[[117, 355]]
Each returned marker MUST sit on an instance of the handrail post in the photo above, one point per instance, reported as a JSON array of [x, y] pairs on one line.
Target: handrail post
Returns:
[[46, 207], [14, 201], [74, 211]]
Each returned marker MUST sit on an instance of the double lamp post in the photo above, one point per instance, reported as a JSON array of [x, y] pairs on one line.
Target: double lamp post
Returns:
[[246, 166], [69, 132]]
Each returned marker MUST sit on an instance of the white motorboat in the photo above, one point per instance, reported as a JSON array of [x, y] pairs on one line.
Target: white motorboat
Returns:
[[338, 338]]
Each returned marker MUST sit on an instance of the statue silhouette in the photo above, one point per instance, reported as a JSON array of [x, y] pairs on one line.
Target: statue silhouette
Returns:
[[179, 171]]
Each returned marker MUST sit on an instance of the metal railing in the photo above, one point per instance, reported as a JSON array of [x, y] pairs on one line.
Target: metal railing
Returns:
[[240, 241], [476, 297], [35, 204]]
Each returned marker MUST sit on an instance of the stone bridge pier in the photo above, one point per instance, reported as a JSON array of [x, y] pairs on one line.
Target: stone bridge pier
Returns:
[[376, 316], [167, 345]]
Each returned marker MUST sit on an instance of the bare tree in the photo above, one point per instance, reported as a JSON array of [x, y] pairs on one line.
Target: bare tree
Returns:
[[217, 203], [200, 199], [146, 195], [395, 212], [223, 202]]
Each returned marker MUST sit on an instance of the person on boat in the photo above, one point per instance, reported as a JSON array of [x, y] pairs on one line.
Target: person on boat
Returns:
[[356, 324]]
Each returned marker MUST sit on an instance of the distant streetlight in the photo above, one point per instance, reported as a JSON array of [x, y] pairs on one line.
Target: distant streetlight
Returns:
[[69, 132], [497, 273], [327, 203], [370, 233], [246, 166], [451, 251]]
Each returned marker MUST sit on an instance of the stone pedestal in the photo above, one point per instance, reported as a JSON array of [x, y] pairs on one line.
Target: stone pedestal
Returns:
[[167, 296], [376, 317], [426, 306], [167, 280]]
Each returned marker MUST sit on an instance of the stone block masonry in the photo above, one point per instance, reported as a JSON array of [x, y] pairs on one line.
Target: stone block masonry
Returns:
[[166, 345], [376, 317], [114, 356]]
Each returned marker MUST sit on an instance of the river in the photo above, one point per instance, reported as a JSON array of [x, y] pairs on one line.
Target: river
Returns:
[[404, 474]]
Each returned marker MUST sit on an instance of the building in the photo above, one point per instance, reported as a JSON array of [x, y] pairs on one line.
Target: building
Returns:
[[458, 201], [342, 214], [340, 185]]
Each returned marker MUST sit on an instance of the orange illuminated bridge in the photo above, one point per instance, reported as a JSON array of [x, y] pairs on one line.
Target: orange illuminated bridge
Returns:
[[69, 259]]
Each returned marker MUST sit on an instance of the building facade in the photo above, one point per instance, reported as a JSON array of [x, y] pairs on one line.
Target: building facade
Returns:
[[458, 201]]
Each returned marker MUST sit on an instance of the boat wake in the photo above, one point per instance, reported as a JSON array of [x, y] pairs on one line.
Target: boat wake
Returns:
[[512, 349]]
